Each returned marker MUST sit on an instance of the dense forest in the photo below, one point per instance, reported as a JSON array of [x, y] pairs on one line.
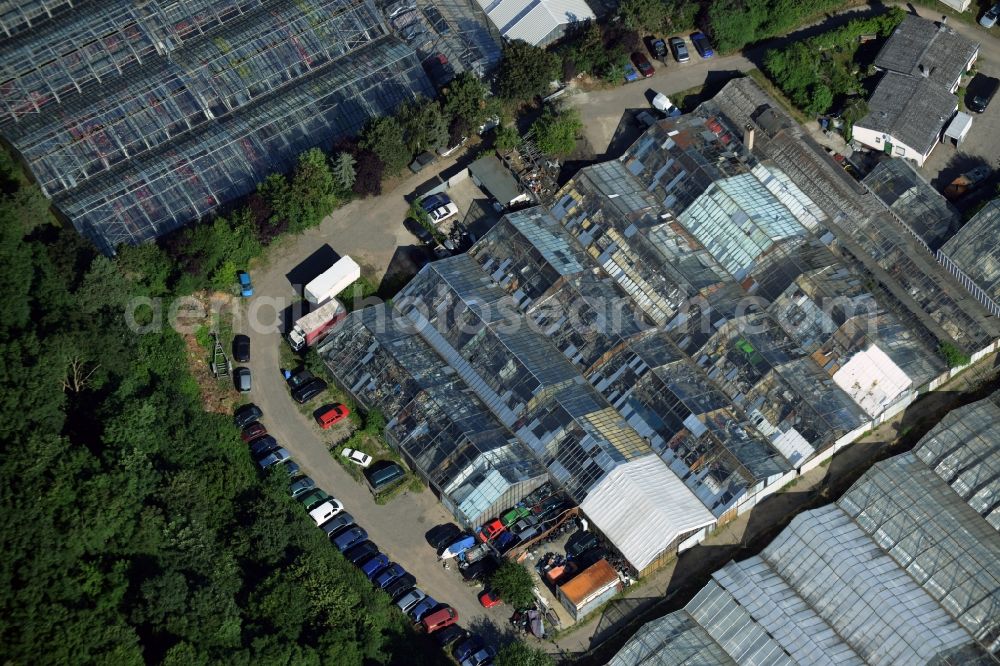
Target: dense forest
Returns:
[[136, 529]]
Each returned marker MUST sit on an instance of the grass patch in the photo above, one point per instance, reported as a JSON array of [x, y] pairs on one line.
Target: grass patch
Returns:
[[774, 92], [409, 482]]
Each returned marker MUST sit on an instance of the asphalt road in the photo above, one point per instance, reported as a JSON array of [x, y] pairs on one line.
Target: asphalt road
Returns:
[[398, 527]]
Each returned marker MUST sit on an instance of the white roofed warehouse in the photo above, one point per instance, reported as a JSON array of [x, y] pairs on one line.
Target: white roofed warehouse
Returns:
[[537, 22]]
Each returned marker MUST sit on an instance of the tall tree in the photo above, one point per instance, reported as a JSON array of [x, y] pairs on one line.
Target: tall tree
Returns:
[[514, 584], [343, 170], [465, 98], [424, 126], [556, 130], [526, 71], [384, 137]]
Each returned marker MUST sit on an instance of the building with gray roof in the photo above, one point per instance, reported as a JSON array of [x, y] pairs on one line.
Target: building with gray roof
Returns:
[[906, 115], [973, 255], [903, 568], [908, 194], [931, 49]]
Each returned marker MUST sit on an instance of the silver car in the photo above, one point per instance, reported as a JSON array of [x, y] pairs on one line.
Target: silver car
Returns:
[[990, 17], [410, 599]]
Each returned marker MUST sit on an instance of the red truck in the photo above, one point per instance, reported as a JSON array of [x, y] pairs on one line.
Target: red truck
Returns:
[[312, 327]]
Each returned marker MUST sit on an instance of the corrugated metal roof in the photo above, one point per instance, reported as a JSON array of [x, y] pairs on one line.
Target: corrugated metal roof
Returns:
[[594, 579], [533, 20], [642, 507]]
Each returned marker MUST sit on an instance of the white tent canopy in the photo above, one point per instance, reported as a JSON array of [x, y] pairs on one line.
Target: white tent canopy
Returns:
[[642, 507]]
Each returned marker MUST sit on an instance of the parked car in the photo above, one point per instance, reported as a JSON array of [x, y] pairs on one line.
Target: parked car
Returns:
[[303, 484], [299, 378], [660, 49], [361, 552], [383, 475], [401, 7], [421, 160], [442, 213], [307, 392], [489, 599], [679, 49], [292, 469], [262, 446], [422, 608], [400, 586], [314, 498], [580, 543], [418, 230], [276, 457], [449, 635], [328, 416], [980, 92], [253, 431], [630, 73], [445, 151], [433, 201], [246, 286], [241, 348], [410, 599], [989, 19], [480, 657], [246, 415], [514, 515], [349, 537], [467, 647], [387, 575], [439, 70], [341, 521], [490, 530], [442, 535], [480, 570], [505, 542], [702, 45], [439, 619], [374, 565], [326, 511], [357, 457], [525, 524], [241, 379], [642, 64]]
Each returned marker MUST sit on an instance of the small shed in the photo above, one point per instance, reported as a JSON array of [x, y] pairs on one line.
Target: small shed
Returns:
[[959, 127], [491, 175], [589, 589]]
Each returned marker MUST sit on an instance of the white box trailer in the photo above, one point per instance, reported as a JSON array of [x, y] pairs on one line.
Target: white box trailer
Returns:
[[311, 328], [333, 281]]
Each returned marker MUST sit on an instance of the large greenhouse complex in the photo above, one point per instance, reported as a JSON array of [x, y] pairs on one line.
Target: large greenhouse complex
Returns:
[[136, 118], [903, 569], [670, 341]]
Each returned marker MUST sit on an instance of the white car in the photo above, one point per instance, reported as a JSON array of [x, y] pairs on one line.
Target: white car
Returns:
[[326, 511], [357, 457], [442, 213], [990, 17]]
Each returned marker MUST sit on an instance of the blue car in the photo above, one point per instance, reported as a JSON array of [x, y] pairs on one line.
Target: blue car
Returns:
[[349, 538], [388, 575], [702, 45], [246, 287], [374, 565], [467, 647], [630, 73], [422, 608]]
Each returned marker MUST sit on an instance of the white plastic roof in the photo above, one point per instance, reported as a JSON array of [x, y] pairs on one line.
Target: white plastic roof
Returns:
[[533, 20], [641, 506], [872, 379], [959, 126]]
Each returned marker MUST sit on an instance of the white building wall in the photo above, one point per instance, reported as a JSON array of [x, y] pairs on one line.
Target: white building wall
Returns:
[[876, 140]]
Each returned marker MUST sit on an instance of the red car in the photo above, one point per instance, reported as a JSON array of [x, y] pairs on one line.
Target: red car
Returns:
[[439, 619], [490, 530], [489, 599], [642, 64], [329, 415], [253, 431]]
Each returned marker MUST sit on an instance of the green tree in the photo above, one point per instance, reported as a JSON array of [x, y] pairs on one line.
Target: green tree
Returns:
[[466, 98], [507, 138], [953, 355], [514, 584], [526, 71], [384, 137], [650, 15], [424, 126], [556, 130], [343, 170], [519, 654], [313, 190]]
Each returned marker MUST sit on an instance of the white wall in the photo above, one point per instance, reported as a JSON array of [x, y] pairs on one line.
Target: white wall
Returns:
[[877, 140]]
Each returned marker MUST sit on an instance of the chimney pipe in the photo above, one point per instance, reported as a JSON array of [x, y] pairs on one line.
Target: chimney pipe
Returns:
[[748, 136]]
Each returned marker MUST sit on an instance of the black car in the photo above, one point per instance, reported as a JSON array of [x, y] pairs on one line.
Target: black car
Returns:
[[449, 635], [300, 377], [400, 586], [980, 93], [246, 415], [263, 446], [479, 570], [580, 543], [241, 348], [418, 230], [361, 552], [308, 391], [442, 535]]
